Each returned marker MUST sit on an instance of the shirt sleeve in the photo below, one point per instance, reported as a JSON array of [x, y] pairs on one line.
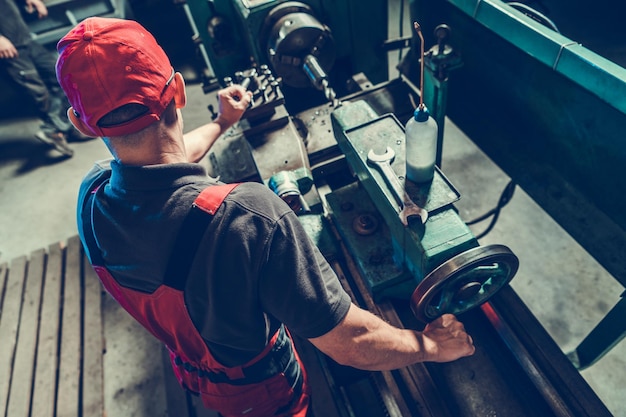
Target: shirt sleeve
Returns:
[[297, 285]]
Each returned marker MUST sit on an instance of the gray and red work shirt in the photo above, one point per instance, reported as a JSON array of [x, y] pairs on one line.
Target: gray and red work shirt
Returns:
[[255, 268]]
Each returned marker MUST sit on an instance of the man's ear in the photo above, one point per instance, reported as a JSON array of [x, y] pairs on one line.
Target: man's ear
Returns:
[[79, 124], [180, 96]]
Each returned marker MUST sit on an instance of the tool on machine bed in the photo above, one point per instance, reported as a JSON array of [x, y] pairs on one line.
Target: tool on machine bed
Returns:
[[409, 210]]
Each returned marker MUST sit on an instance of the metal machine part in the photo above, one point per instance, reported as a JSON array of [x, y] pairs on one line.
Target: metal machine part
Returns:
[[416, 248], [279, 33], [439, 61], [290, 186], [464, 282], [442, 58], [409, 209], [299, 47], [208, 76], [534, 14], [266, 110], [319, 79]]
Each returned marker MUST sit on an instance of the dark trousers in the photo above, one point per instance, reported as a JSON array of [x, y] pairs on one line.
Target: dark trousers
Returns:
[[34, 71]]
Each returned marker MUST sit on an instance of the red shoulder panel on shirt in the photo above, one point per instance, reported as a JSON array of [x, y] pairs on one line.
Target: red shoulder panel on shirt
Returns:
[[211, 198]]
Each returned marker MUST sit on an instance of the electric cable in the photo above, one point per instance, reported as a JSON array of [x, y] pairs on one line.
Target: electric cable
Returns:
[[505, 198]]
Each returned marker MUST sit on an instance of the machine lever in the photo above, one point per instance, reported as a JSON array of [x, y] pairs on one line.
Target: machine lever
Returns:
[[409, 209]]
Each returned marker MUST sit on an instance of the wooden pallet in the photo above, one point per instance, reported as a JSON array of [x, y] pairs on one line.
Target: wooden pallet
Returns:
[[51, 335], [52, 342]]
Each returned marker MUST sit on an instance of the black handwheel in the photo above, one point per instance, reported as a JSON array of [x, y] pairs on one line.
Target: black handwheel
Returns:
[[464, 282]]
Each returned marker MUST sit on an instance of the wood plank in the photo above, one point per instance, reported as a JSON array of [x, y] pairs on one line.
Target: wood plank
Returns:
[[9, 325], [69, 361], [44, 390], [176, 397], [26, 351], [93, 343]]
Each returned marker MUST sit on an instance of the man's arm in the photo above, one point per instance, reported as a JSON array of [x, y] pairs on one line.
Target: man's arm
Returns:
[[233, 102], [364, 341], [298, 287]]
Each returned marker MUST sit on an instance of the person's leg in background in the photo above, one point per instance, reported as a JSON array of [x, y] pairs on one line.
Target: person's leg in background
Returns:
[[45, 62], [26, 73]]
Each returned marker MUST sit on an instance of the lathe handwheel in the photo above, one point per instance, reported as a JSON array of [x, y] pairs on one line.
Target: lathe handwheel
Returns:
[[464, 282]]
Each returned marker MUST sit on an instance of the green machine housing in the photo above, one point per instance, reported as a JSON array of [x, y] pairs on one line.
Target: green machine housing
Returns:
[[240, 33], [439, 265]]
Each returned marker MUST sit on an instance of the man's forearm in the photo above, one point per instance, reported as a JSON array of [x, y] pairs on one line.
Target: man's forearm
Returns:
[[366, 342], [199, 141], [363, 340]]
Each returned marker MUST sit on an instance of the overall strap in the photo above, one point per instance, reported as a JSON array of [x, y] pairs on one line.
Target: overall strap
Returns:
[[191, 233], [186, 243]]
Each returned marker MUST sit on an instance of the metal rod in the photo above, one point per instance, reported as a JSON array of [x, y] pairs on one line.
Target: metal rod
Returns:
[[196, 35], [418, 30]]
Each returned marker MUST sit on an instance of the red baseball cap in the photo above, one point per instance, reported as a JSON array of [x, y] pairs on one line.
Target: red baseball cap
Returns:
[[105, 63]]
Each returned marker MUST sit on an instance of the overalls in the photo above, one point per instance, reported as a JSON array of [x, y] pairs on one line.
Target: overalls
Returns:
[[274, 383]]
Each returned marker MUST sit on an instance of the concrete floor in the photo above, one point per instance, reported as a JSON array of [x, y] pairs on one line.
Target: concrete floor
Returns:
[[563, 286]]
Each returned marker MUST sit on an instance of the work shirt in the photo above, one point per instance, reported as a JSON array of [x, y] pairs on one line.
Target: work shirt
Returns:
[[255, 268], [12, 25]]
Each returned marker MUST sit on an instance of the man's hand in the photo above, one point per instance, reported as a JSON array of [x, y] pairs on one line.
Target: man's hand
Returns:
[[233, 102], [7, 49], [32, 5], [445, 340]]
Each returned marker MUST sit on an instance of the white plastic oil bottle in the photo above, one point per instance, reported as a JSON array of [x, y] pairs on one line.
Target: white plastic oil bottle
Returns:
[[421, 133], [421, 145]]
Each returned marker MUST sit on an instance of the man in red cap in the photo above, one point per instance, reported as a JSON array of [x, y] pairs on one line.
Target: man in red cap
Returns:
[[221, 274]]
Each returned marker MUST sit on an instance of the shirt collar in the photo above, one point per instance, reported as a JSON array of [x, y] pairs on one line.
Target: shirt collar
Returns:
[[155, 177]]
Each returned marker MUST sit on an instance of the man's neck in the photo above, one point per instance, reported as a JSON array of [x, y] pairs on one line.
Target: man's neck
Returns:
[[152, 158], [154, 149]]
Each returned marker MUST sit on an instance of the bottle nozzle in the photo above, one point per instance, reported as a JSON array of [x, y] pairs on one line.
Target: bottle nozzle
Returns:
[[421, 113]]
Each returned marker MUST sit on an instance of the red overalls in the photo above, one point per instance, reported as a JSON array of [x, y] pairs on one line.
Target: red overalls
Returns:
[[274, 383]]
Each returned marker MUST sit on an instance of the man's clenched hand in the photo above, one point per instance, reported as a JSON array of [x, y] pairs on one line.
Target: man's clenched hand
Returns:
[[445, 340]]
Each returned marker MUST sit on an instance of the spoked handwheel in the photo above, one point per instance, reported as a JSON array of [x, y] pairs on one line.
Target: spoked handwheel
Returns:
[[464, 282]]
